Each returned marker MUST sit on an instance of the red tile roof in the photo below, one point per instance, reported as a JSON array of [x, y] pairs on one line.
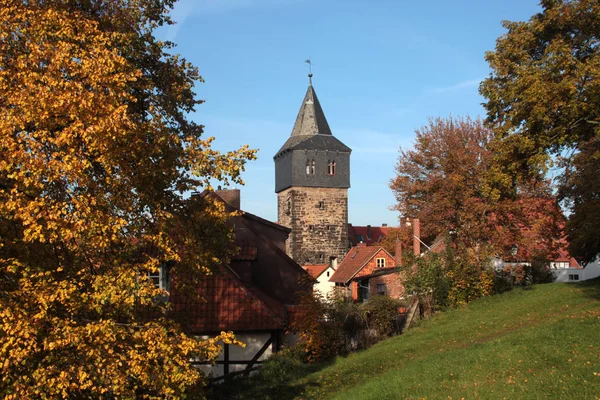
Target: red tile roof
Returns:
[[353, 262], [228, 304], [366, 234], [315, 270]]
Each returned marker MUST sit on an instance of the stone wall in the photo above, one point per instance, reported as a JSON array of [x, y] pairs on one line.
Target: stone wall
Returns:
[[318, 218]]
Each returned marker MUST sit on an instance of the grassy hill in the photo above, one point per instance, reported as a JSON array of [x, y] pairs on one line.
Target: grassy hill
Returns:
[[541, 342]]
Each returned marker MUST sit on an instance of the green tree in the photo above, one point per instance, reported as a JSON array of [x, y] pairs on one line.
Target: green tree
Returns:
[[543, 101], [96, 153]]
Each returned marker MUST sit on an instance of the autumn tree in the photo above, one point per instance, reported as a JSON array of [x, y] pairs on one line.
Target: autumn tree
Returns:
[[448, 181], [543, 102], [96, 154]]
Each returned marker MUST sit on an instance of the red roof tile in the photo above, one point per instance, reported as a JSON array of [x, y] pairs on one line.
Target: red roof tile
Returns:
[[229, 304], [315, 270], [366, 234], [352, 263]]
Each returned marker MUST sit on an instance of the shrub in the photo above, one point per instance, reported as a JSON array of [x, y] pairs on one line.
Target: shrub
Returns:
[[382, 314]]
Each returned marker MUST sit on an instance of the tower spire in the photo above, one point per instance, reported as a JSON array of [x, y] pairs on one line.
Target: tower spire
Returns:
[[310, 75]]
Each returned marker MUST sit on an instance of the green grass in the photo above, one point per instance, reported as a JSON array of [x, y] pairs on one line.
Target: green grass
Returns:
[[541, 342]]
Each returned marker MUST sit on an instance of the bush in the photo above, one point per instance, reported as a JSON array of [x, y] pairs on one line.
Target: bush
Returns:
[[381, 313]]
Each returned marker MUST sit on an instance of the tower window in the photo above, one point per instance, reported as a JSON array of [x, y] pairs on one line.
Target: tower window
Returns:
[[321, 257], [381, 263], [310, 167], [288, 211], [310, 228], [321, 205], [331, 167]]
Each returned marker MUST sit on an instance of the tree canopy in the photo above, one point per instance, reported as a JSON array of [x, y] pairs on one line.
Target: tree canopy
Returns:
[[543, 102], [96, 156], [447, 182]]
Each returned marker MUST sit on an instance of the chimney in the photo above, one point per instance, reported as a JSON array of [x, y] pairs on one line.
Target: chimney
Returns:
[[398, 252], [416, 236], [334, 262], [383, 225], [368, 232], [231, 197]]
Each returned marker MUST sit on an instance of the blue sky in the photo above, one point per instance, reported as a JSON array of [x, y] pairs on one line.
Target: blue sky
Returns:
[[381, 69]]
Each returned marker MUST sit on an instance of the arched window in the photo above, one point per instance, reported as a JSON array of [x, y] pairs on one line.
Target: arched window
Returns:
[[310, 167], [331, 167]]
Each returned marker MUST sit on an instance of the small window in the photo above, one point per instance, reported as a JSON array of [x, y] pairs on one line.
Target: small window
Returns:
[[310, 228], [573, 277], [381, 263], [328, 272], [331, 167], [321, 205], [310, 167], [321, 257], [359, 238], [288, 211], [160, 278], [381, 289]]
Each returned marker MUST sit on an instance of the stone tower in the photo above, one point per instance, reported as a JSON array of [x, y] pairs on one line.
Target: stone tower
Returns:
[[312, 177]]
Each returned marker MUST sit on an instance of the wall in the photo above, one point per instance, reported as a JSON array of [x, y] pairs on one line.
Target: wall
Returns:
[[591, 271], [324, 286], [317, 233], [371, 267], [254, 342], [290, 169], [392, 282]]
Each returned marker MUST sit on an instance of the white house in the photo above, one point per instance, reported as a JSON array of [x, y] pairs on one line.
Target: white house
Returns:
[[321, 273]]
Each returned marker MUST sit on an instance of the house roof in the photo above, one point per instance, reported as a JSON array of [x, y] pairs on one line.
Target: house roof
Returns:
[[353, 262], [228, 303], [315, 270], [366, 234]]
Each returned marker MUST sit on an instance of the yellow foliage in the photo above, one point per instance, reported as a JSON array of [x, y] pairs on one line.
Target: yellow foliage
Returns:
[[95, 156]]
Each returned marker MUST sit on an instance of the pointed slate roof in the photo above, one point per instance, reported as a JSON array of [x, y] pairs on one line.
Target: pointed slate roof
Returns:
[[311, 118], [311, 130]]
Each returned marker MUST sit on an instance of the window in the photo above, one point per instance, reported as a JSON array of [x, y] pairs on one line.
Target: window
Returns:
[[359, 238], [573, 277], [288, 211], [560, 264], [160, 278], [321, 205], [310, 228], [310, 167], [321, 257], [380, 263], [328, 272], [330, 167], [381, 289]]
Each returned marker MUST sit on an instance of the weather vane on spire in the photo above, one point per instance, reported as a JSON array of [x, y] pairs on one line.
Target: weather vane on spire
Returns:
[[309, 62]]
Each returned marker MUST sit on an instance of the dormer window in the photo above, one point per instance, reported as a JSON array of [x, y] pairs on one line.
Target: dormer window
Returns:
[[380, 263], [331, 167]]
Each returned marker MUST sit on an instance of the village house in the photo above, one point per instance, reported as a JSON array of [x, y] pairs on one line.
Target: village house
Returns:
[[367, 271], [253, 296], [322, 273]]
